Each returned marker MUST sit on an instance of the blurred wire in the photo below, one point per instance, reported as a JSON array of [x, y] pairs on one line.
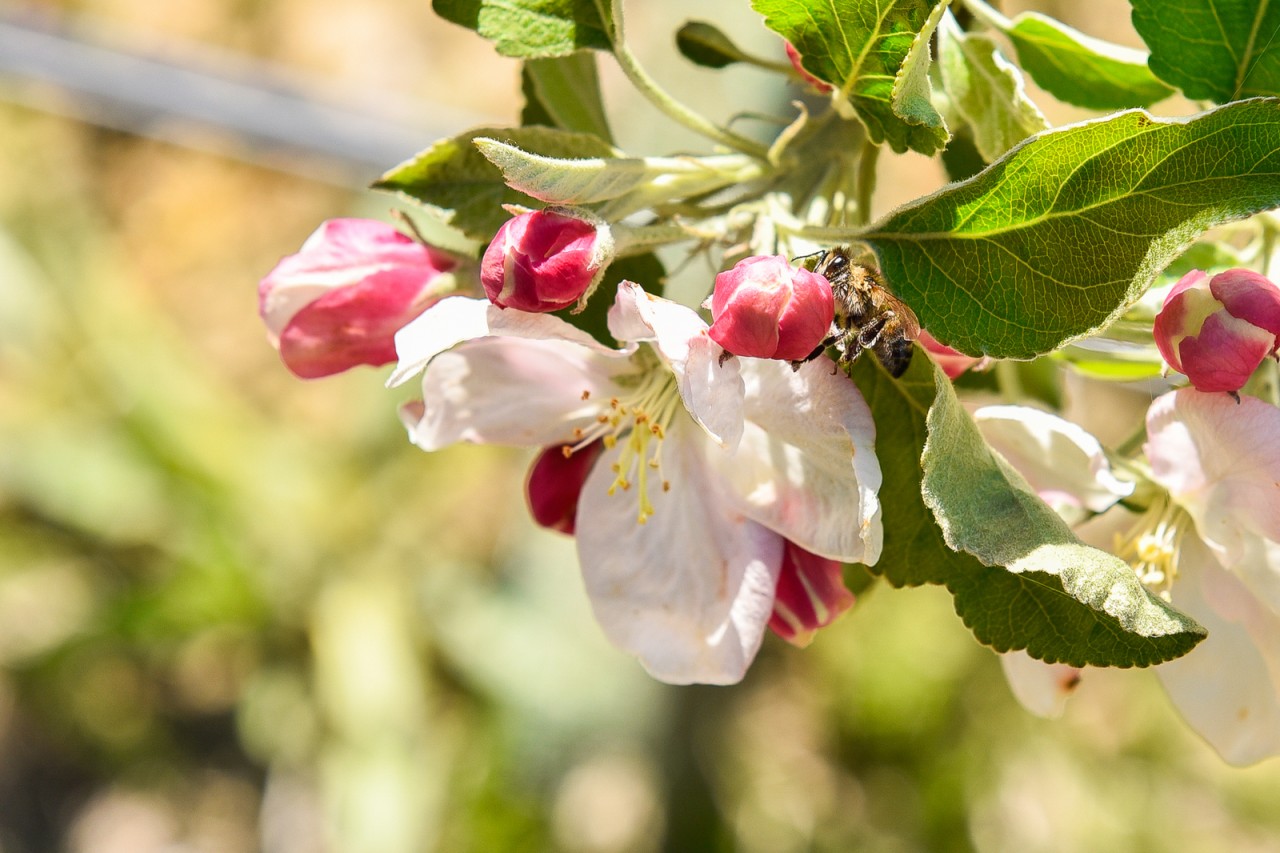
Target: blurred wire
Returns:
[[257, 112]]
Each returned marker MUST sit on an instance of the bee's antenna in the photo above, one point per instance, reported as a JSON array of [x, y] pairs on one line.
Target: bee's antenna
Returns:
[[808, 256]]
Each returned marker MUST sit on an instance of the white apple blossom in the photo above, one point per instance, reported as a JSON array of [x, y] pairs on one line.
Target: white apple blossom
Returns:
[[1208, 540], [708, 467]]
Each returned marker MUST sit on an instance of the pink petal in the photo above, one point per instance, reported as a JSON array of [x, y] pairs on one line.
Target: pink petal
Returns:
[[1228, 687], [811, 594], [1225, 353], [1249, 296], [689, 592], [353, 325], [1042, 688], [526, 393], [1219, 460], [806, 466], [711, 390]]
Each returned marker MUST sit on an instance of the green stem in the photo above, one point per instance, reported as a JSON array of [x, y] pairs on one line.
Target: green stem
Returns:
[[675, 110], [1268, 243], [1009, 381], [866, 180]]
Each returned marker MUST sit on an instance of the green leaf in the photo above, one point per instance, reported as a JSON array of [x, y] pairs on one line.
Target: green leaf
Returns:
[[704, 44], [1081, 70], [648, 180], [912, 95], [961, 158], [1058, 599], [860, 47], [530, 29], [986, 90], [1220, 50], [914, 552], [1060, 235], [567, 91], [453, 177], [987, 510]]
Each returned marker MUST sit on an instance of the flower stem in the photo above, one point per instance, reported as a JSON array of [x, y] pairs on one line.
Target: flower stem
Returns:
[[648, 87], [866, 180]]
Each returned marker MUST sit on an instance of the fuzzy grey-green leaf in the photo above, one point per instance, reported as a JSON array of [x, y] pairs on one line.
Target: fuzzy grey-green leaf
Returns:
[[986, 509], [453, 177], [1024, 606], [986, 90], [651, 180]]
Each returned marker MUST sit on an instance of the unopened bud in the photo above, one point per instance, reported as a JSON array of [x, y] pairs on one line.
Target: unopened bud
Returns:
[[340, 300], [1218, 330], [555, 483], [544, 261], [766, 308]]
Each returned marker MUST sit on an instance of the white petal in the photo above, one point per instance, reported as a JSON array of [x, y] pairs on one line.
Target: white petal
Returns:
[[806, 466], [1219, 460], [1228, 687], [459, 318], [1042, 688], [691, 591], [509, 391], [1064, 464], [711, 391]]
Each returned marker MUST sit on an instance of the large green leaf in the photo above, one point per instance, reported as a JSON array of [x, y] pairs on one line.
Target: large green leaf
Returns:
[[453, 177], [529, 29], [1020, 578], [860, 47], [986, 90], [1081, 70], [1060, 235], [1219, 50]]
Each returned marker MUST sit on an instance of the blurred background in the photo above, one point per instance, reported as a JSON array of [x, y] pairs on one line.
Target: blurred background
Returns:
[[240, 612]]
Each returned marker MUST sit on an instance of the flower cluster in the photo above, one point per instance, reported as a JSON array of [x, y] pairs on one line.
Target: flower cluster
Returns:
[[717, 469]]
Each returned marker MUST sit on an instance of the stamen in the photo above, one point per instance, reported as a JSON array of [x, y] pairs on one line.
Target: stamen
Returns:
[[1151, 545], [635, 424]]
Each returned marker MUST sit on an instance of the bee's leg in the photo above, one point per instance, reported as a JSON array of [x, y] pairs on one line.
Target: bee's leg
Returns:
[[817, 351], [869, 335]]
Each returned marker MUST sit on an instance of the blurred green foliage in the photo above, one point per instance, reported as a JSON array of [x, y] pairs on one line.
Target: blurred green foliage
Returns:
[[239, 612]]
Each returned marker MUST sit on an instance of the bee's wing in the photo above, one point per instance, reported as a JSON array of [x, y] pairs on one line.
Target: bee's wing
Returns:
[[910, 324]]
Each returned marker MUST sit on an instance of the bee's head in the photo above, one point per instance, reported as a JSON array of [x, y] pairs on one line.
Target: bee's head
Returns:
[[834, 266]]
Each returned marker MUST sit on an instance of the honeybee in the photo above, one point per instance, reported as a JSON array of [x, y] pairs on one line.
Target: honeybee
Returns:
[[867, 315]]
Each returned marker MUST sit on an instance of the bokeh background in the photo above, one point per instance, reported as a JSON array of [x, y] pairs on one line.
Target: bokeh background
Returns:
[[239, 612]]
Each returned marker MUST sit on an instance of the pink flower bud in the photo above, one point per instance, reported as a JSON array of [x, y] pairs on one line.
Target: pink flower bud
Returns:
[[1218, 330], [953, 363], [794, 56], [811, 594], [555, 482], [766, 308], [543, 261], [339, 301]]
